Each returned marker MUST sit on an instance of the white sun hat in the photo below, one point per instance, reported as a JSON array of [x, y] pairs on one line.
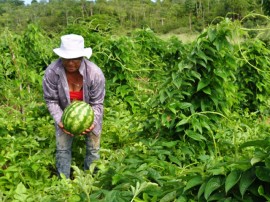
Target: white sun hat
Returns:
[[72, 46]]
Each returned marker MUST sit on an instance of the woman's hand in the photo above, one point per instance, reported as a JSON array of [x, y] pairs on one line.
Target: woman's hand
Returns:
[[88, 130], [60, 124]]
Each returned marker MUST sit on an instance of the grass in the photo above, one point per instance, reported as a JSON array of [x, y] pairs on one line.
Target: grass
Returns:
[[183, 34]]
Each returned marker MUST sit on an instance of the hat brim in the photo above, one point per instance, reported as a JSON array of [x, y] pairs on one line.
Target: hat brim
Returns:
[[87, 52]]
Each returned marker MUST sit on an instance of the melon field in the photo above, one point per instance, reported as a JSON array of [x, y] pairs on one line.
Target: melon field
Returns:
[[183, 122]]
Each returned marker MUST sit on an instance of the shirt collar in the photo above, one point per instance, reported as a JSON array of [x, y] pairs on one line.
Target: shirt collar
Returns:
[[82, 67]]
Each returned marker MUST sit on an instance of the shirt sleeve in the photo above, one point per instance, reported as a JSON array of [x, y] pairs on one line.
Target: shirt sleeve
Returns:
[[50, 93], [97, 94]]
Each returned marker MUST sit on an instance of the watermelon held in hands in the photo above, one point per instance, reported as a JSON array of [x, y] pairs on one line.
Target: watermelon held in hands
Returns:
[[77, 117]]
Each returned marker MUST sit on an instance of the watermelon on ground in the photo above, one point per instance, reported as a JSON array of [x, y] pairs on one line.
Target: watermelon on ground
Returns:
[[77, 117]]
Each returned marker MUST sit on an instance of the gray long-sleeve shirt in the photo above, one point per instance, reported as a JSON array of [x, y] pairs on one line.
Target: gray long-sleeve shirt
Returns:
[[56, 90]]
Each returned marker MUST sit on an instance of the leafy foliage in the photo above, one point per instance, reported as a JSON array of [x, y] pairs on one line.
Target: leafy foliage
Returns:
[[253, 75], [183, 122]]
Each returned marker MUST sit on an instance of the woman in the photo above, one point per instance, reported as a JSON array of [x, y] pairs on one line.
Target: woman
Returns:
[[73, 77]]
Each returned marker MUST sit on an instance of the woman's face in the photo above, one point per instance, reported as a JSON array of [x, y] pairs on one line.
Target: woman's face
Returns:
[[72, 65]]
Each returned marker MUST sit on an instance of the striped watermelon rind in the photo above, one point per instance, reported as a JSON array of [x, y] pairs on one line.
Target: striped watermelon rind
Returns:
[[77, 117]]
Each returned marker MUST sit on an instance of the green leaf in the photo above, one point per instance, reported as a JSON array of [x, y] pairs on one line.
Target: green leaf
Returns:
[[182, 199], [267, 162], [221, 73], [202, 63], [212, 33], [176, 80], [20, 193], [218, 196], [20, 189], [255, 160], [139, 200], [175, 160], [140, 187], [232, 179], [263, 173], [217, 171], [195, 74], [184, 105], [203, 83], [193, 182], [196, 125], [213, 184], [201, 190], [202, 55], [262, 193], [207, 90], [172, 107], [116, 178], [218, 43], [257, 143], [114, 196], [168, 197], [75, 198], [182, 122], [204, 124], [246, 180], [163, 96], [194, 135], [123, 90], [169, 144]]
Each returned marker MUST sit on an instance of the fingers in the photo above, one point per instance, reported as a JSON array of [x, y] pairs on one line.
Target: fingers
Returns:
[[60, 124], [88, 130], [68, 133], [92, 127]]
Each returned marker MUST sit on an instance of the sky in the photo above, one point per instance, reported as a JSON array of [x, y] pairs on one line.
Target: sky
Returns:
[[29, 1]]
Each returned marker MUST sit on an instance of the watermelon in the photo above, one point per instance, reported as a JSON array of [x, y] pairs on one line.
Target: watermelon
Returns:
[[77, 117]]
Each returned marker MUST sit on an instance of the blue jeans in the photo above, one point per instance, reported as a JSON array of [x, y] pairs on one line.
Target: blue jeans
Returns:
[[64, 151]]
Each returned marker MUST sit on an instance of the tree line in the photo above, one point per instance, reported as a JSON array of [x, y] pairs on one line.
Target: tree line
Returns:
[[120, 16]]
